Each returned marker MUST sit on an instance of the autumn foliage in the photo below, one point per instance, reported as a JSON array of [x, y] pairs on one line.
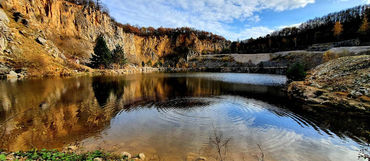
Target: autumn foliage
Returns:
[[344, 25]]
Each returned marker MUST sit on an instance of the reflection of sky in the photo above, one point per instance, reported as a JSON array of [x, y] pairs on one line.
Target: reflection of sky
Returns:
[[266, 119], [243, 78], [246, 121]]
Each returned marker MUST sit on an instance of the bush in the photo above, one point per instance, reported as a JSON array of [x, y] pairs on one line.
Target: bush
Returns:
[[296, 72]]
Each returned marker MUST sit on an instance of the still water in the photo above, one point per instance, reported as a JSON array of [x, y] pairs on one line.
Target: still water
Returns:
[[182, 116]]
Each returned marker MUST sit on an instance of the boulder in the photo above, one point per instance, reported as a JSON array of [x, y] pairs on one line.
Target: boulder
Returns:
[[4, 30], [141, 156], [12, 74], [4, 70], [3, 17], [41, 40]]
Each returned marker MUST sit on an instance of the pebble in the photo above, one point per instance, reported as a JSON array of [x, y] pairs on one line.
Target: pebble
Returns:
[[98, 159], [142, 156], [126, 155], [201, 159]]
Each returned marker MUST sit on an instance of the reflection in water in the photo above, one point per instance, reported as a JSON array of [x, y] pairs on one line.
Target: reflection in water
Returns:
[[104, 88], [175, 117]]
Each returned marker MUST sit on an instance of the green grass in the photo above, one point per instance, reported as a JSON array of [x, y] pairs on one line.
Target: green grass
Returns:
[[56, 155]]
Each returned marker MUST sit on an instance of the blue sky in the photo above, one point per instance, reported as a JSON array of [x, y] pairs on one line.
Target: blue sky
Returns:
[[233, 19]]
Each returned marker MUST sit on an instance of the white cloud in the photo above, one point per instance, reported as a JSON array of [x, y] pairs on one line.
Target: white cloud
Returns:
[[252, 32], [292, 25], [211, 15]]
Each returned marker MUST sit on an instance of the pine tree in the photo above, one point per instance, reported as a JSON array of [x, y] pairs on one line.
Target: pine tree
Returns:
[[102, 55], [364, 26], [338, 28], [119, 56], [98, 4]]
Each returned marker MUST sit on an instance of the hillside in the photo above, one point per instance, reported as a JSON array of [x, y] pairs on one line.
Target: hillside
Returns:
[[342, 82], [54, 37], [348, 27]]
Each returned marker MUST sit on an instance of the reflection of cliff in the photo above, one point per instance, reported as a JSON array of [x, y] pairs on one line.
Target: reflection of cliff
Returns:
[[50, 114]]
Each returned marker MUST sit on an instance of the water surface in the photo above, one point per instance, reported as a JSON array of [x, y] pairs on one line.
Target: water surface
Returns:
[[176, 117]]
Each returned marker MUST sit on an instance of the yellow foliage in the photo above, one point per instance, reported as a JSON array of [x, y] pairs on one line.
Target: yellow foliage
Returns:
[[338, 28], [364, 26]]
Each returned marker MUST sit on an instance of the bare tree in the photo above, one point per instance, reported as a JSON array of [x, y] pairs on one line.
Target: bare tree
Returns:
[[262, 155], [221, 144]]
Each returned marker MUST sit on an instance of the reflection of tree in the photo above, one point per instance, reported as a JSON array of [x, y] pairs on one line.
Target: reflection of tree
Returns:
[[71, 114], [220, 143], [103, 87], [262, 155]]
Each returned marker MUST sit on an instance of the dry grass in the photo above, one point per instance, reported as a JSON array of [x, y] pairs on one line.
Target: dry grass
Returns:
[[73, 47], [329, 56]]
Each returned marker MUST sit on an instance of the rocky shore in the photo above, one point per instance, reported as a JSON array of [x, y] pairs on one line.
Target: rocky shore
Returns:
[[342, 83]]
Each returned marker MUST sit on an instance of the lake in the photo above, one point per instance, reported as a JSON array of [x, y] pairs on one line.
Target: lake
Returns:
[[176, 116]]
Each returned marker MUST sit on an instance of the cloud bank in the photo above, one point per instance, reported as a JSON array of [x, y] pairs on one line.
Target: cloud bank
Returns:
[[217, 16]]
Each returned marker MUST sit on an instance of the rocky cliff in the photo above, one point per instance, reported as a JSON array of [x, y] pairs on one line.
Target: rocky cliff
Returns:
[[55, 36]]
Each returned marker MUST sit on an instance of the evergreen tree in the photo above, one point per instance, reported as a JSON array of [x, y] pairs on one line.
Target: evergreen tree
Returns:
[[98, 4], [102, 55], [119, 56]]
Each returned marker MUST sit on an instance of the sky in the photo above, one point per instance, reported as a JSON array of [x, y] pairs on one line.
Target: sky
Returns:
[[232, 19]]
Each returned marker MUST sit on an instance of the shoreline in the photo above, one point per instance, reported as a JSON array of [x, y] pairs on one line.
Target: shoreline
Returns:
[[118, 72]]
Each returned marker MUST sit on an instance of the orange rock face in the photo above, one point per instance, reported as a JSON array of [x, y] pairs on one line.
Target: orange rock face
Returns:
[[72, 29]]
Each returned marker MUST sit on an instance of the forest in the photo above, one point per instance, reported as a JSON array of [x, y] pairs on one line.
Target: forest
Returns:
[[348, 24]]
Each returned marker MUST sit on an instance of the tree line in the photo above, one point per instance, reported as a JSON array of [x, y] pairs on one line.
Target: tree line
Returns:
[[348, 24]]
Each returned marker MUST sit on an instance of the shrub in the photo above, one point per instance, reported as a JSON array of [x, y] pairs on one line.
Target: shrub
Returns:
[[329, 56], [38, 62], [296, 72]]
